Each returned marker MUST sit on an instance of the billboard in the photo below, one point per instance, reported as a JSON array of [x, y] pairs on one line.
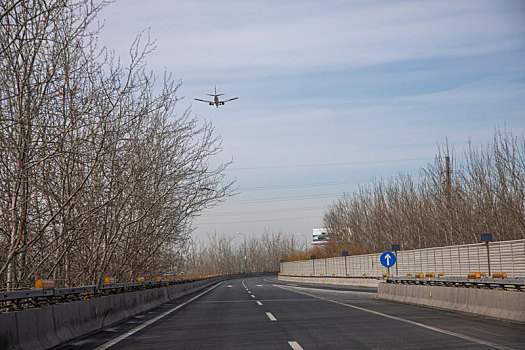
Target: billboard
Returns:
[[319, 234]]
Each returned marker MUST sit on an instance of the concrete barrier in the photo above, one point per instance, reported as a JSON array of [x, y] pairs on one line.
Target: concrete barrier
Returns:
[[49, 326], [8, 331], [27, 329], [361, 282], [500, 304]]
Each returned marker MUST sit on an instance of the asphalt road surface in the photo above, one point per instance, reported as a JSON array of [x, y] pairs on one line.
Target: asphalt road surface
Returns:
[[263, 313]]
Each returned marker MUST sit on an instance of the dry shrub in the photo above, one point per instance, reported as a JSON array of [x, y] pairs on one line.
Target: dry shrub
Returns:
[[329, 249], [482, 192]]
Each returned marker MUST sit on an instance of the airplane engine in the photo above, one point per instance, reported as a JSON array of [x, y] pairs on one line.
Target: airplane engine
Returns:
[[222, 103], [211, 103]]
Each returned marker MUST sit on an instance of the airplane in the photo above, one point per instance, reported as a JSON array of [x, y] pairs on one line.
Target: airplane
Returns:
[[216, 100]]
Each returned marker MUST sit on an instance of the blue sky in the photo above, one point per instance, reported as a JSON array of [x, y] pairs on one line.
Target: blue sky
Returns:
[[332, 94]]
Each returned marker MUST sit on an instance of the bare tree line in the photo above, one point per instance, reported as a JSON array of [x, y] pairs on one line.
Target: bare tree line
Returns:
[[224, 254], [483, 191], [99, 174]]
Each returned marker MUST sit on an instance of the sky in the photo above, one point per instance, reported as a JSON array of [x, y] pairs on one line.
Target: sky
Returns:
[[332, 94]]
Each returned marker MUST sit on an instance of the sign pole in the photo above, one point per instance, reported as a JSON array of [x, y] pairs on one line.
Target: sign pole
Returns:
[[387, 259], [486, 238], [488, 255], [395, 248], [345, 254]]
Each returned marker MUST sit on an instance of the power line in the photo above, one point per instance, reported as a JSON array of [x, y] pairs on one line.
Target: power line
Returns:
[[318, 184], [252, 221], [283, 199], [286, 199], [264, 211], [331, 164]]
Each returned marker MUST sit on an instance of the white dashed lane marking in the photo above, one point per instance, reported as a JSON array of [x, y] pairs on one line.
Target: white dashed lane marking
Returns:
[[454, 334], [270, 316], [145, 324], [295, 345]]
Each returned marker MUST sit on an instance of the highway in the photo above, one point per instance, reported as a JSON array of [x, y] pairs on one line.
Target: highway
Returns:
[[263, 313]]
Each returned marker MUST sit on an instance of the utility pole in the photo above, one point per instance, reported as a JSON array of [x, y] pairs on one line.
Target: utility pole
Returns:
[[448, 173], [245, 267], [448, 197], [305, 242]]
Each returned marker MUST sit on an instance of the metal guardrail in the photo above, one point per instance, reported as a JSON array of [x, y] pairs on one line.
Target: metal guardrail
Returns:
[[20, 299], [484, 282], [335, 276], [45, 294], [490, 283]]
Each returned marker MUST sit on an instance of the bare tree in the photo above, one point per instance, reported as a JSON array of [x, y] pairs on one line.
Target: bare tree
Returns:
[[482, 193], [99, 173], [220, 255]]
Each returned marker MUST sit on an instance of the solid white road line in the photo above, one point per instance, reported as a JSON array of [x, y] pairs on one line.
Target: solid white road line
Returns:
[[259, 303], [295, 345], [444, 331], [270, 316], [138, 328]]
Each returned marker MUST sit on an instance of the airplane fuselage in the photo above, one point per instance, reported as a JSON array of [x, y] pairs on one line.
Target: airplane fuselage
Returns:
[[216, 100]]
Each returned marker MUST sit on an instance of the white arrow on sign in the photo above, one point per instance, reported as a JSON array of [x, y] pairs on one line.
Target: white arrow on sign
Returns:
[[387, 258]]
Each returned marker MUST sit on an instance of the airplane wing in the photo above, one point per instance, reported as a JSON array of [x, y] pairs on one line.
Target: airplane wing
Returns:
[[204, 101], [231, 99]]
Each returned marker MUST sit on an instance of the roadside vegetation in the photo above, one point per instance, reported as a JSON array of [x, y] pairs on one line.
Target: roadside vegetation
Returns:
[[482, 191], [101, 171], [224, 254], [328, 249]]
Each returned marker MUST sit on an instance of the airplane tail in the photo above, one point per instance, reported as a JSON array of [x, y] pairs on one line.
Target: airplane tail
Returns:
[[216, 94]]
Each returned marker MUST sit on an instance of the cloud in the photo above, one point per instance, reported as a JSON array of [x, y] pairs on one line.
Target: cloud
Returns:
[[261, 38], [336, 81]]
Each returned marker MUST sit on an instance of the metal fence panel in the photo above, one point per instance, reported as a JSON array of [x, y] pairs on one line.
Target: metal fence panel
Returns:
[[507, 256]]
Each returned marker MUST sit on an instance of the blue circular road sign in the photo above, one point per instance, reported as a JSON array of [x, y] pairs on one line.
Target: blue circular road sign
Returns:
[[387, 259]]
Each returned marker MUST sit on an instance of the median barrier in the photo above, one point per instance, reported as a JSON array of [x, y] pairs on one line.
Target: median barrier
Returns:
[[8, 331], [345, 281], [500, 304], [27, 327], [52, 325], [45, 327], [69, 327]]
